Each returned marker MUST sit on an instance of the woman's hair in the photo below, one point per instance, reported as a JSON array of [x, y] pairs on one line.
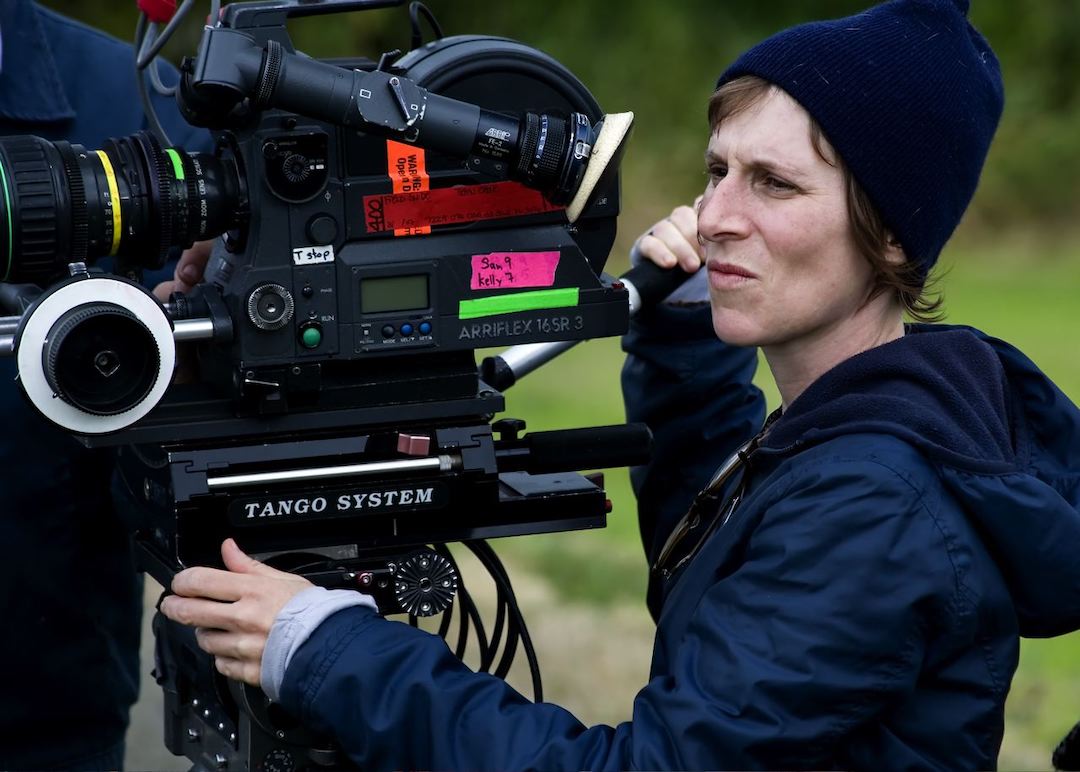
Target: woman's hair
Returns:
[[917, 294]]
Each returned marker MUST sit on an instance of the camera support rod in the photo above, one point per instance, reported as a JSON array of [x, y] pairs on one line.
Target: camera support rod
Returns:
[[405, 466], [646, 284], [183, 330]]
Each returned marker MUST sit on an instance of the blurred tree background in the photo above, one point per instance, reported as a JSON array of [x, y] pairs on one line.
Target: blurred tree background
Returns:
[[1014, 270]]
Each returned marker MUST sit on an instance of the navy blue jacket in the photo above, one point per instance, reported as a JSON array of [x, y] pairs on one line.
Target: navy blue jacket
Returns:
[[910, 515], [72, 601]]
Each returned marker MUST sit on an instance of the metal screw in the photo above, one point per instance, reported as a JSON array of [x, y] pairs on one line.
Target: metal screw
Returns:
[[206, 713], [445, 582], [221, 726], [280, 734], [221, 761], [195, 703], [192, 735], [232, 737]]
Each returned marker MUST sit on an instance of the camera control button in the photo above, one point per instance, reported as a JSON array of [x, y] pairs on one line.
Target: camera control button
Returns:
[[425, 328], [322, 229], [388, 331], [311, 336], [406, 329], [270, 307]]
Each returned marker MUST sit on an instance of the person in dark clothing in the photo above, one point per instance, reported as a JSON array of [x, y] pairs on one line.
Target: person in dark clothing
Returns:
[[72, 602], [848, 588]]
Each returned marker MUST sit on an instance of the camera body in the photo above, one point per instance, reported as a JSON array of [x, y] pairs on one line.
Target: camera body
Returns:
[[360, 277]]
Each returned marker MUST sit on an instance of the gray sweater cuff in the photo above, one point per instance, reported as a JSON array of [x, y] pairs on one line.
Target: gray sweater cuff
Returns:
[[295, 623]]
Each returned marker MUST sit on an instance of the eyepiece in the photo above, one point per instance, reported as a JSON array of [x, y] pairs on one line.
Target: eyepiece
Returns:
[[544, 151]]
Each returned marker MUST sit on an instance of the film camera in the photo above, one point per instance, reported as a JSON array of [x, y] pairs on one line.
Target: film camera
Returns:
[[378, 223]]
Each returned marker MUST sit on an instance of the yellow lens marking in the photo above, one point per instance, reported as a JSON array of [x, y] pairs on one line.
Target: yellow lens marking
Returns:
[[114, 200]]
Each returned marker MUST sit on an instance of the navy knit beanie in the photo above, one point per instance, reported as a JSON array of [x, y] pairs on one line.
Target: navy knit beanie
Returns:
[[909, 94]]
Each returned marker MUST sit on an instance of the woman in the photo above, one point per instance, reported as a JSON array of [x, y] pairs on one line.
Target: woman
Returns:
[[848, 589]]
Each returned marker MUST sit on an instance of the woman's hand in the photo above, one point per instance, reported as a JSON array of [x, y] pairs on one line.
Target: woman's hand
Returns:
[[674, 240], [189, 271], [232, 611]]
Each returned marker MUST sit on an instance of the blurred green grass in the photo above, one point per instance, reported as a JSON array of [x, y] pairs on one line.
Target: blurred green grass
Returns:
[[1023, 289]]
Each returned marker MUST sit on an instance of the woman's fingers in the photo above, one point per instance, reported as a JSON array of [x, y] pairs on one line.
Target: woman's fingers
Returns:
[[673, 241], [239, 670], [212, 583], [189, 271], [199, 612], [234, 645], [238, 561]]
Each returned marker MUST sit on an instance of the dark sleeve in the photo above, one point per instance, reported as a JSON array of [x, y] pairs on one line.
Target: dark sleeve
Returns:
[[695, 394], [822, 628]]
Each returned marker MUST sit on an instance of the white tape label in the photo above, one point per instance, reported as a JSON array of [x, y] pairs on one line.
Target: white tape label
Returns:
[[313, 255]]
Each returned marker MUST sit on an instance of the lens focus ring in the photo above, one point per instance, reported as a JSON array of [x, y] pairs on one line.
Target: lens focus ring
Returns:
[[34, 209]]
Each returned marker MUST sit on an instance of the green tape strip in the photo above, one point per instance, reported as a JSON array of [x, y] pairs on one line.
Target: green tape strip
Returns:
[[177, 164], [7, 218], [519, 301]]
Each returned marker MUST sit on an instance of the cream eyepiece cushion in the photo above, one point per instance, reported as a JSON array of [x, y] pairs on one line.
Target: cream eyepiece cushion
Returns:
[[612, 135]]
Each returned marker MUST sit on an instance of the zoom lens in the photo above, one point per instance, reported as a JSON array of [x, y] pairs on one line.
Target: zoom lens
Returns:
[[61, 203]]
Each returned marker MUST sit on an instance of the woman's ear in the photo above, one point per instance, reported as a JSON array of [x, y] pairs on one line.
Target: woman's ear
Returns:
[[894, 252]]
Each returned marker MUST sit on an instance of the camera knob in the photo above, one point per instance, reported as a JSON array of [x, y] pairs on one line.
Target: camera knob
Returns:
[[101, 358], [424, 584], [270, 307]]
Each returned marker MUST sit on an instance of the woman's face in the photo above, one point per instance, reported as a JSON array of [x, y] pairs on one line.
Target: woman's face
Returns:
[[783, 265]]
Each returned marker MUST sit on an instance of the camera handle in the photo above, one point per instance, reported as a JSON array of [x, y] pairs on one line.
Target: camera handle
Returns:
[[273, 13], [647, 284]]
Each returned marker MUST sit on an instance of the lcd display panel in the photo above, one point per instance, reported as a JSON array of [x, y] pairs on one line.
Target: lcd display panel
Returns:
[[393, 293]]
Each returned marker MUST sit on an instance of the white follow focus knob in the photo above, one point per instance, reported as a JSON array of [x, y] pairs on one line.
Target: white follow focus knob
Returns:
[[95, 354]]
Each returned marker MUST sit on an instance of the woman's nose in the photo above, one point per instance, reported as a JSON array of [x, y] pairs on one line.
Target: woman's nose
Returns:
[[722, 213]]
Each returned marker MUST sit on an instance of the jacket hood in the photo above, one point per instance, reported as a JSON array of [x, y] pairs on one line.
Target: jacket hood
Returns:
[[1004, 439]]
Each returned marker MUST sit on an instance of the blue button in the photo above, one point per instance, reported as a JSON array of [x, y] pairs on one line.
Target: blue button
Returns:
[[425, 328], [406, 329]]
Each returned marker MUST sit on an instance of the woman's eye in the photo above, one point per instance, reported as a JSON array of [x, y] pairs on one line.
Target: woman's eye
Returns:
[[717, 172], [778, 185]]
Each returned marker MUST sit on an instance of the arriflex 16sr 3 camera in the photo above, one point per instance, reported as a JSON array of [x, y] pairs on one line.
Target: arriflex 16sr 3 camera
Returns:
[[378, 222]]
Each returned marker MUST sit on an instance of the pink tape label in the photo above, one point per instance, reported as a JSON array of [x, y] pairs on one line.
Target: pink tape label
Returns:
[[499, 270]]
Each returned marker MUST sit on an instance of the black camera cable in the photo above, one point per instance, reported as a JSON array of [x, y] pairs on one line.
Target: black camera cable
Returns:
[[516, 628], [416, 9], [148, 44]]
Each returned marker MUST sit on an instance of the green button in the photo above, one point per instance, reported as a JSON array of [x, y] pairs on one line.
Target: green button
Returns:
[[311, 337]]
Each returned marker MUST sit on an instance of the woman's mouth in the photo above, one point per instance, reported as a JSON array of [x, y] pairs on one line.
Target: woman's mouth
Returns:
[[728, 275]]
